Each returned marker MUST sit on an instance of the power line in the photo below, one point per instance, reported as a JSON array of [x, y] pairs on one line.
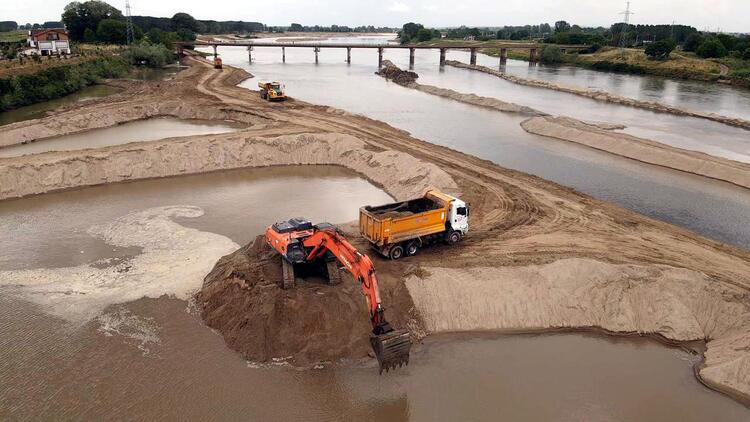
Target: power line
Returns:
[[129, 23], [627, 14]]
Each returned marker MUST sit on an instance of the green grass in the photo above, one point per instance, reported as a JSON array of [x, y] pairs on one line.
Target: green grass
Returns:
[[13, 36]]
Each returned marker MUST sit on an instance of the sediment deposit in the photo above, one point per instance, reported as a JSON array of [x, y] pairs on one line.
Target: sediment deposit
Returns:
[[408, 79], [644, 150], [600, 95], [543, 256]]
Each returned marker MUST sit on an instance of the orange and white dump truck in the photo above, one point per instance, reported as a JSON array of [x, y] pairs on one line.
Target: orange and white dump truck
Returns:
[[402, 228]]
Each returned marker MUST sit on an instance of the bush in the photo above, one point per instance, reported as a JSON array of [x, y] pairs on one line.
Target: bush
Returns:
[[711, 47], [58, 81], [151, 55], [660, 49], [746, 54], [692, 42], [424, 34], [550, 54]]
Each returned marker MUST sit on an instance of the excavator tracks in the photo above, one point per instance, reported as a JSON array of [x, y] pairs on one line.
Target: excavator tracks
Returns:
[[287, 271]]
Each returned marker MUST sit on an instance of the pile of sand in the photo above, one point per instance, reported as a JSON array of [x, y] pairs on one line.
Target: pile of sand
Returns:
[[242, 298], [644, 150], [403, 175]]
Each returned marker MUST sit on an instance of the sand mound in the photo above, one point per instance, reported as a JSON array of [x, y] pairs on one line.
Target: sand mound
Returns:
[[640, 149], [241, 298], [678, 304], [403, 175]]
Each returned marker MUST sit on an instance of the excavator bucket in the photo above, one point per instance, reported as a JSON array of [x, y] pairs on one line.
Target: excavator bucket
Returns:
[[391, 349]]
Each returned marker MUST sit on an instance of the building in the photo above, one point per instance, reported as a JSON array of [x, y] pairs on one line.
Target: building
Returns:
[[49, 41]]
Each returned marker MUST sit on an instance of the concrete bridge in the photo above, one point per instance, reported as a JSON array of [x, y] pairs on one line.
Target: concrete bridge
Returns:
[[442, 48]]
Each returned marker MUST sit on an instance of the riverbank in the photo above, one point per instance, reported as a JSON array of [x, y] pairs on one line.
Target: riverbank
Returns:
[[57, 80], [681, 286], [600, 95], [681, 65]]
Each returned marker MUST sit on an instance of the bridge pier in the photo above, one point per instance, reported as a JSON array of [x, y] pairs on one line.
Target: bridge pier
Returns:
[[380, 57], [411, 57], [442, 56], [503, 54], [473, 56], [215, 48], [532, 55], [349, 55], [316, 50], [283, 54]]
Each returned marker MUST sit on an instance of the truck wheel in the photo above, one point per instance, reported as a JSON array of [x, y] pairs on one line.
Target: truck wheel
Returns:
[[412, 248], [396, 252], [454, 237]]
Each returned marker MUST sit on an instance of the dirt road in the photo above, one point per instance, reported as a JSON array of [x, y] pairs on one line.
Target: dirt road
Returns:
[[625, 272]]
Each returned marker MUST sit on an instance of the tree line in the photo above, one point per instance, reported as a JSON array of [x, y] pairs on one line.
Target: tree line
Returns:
[[296, 27]]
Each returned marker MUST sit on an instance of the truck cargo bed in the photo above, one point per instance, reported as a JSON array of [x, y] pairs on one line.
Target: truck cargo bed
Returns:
[[405, 208]]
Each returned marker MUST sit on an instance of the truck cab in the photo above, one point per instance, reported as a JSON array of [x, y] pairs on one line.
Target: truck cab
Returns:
[[459, 216]]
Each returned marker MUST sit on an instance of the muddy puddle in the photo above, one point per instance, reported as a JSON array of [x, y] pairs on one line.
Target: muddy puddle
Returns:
[[142, 130], [50, 230], [37, 111]]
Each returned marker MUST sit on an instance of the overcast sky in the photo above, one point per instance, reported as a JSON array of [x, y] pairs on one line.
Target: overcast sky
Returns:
[[728, 15]]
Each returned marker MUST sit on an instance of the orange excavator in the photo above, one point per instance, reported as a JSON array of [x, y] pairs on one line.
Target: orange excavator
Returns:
[[300, 242]]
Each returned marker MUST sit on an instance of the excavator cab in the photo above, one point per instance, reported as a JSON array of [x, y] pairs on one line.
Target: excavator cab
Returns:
[[300, 242]]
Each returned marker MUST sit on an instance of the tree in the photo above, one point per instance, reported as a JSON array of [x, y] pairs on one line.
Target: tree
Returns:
[[711, 47], [295, 27], [660, 49], [424, 34], [89, 36], [7, 26], [112, 31], [79, 16], [52, 24], [729, 41], [562, 26], [184, 21], [692, 42], [550, 54], [411, 29]]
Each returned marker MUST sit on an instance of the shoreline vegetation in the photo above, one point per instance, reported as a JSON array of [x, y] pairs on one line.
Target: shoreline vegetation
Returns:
[[680, 65]]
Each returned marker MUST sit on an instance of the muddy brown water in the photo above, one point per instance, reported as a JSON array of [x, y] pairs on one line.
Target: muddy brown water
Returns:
[[153, 358], [141, 131]]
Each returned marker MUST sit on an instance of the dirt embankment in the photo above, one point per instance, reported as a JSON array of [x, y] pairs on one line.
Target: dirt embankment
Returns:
[[605, 96], [644, 150], [407, 79], [26, 175], [543, 256]]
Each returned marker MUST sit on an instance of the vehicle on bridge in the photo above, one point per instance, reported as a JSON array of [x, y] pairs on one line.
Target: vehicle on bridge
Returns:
[[272, 91]]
